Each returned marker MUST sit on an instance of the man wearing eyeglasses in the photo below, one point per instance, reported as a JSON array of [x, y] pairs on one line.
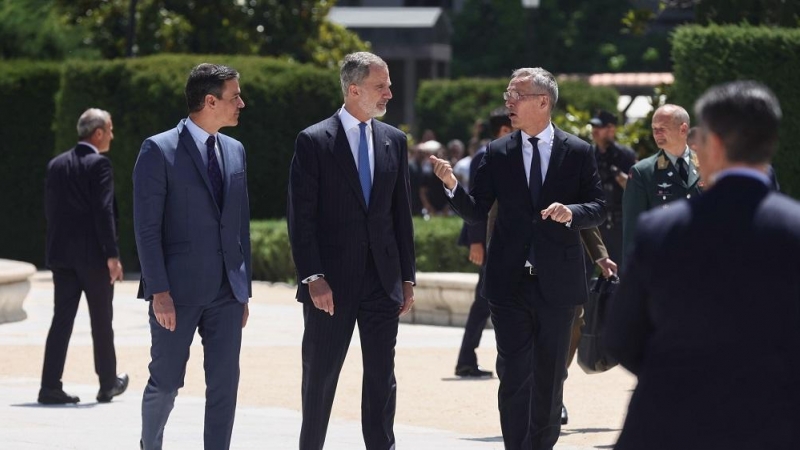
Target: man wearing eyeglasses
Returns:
[[547, 189]]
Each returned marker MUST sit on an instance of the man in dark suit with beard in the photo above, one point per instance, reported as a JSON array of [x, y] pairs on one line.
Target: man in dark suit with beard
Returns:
[[547, 188], [83, 254], [708, 311], [352, 241]]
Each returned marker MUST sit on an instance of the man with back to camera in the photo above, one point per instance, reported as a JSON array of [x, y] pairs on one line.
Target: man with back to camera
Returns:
[[349, 219], [708, 309], [82, 252], [191, 216], [546, 185]]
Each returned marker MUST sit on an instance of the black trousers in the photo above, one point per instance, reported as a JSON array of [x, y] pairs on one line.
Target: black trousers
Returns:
[[69, 284], [325, 342], [532, 343], [473, 329]]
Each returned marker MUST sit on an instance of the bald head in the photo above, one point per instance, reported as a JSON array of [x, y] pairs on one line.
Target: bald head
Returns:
[[670, 128]]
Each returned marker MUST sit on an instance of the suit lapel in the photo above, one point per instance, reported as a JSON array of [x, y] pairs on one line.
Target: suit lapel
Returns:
[[556, 158], [187, 142], [514, 152], [381, 147], [340, 148]]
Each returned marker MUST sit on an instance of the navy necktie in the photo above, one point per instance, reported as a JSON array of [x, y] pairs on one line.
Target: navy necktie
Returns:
[[363, 162], [535, 187], [535, 182], [683, 170], [214, 173]]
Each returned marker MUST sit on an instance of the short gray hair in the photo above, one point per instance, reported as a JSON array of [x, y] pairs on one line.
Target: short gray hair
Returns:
[[677, 113], [540, 79], [355, 68], [91, 120]]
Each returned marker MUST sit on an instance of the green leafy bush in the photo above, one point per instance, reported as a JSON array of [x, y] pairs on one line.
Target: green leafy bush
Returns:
[[434, 241], [705, 56]]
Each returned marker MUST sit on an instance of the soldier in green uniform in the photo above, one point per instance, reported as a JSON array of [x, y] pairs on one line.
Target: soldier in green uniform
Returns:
[[668, 175]]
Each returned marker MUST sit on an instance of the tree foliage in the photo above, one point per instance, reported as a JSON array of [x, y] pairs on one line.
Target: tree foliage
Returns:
[[297, 29], [492, 37]]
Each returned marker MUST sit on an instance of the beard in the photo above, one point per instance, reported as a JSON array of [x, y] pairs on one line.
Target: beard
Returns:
[[371, 109]]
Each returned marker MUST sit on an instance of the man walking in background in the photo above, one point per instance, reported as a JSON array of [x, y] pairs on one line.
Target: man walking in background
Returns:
[[352, 241], [191, 217], [83, 255], [614, 161], [668, 175]]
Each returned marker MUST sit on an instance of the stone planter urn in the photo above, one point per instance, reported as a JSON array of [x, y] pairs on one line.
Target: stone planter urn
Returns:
[[14, 287]]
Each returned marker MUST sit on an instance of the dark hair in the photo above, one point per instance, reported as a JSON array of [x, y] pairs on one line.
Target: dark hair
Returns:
[[498, 118], [746, 116], [206, 79]]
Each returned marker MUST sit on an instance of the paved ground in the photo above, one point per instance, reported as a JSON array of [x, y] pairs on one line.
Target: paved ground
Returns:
[[435, 410]]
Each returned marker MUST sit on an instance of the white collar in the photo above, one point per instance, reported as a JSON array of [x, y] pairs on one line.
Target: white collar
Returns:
[[348, 121]]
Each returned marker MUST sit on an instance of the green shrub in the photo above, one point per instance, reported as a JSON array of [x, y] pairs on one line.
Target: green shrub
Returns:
[[29, 90], [705, 56], [434, 241], [145, 96], [450, 107]]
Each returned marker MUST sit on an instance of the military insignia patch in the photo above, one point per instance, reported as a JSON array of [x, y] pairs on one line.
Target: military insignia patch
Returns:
[[662, 163]]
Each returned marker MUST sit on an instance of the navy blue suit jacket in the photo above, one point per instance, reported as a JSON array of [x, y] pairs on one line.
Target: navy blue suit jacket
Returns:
[[330, 227], [572, 180], [707, 315], [184, 241], [80, 209]]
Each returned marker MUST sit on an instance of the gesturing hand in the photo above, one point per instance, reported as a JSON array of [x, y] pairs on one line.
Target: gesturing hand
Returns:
[[444, 171]]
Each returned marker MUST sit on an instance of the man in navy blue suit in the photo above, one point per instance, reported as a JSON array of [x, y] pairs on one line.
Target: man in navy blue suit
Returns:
[[192, 223], [547, 189], [708, 310], [352, 242]]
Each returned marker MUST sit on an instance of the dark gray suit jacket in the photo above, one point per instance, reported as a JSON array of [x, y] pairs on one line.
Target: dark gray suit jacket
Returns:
[[707, 316], [572, 180], [184, 240], [331, 230]]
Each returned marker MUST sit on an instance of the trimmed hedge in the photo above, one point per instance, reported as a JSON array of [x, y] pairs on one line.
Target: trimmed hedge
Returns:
[[705, 56], [145, 96], [434, 241], [450, 107], [28, 103]]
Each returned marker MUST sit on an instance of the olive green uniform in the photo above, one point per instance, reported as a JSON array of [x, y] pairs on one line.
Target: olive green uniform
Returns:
[[654, 182]]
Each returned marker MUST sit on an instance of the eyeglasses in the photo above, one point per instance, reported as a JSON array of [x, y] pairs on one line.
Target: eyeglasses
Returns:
[[516, 96]]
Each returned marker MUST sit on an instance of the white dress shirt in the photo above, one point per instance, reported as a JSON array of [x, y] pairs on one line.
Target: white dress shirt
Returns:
[[353, 133]]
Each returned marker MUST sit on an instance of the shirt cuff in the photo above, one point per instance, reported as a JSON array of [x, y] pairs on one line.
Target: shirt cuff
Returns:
[[450, 193], [314, 277]]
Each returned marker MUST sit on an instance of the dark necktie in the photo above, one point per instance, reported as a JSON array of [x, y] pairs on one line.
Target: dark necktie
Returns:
[[683, 170], [363, 162], [214, 173], [535, 186]]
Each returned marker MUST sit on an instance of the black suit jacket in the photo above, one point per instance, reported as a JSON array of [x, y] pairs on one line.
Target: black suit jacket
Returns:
[[330, 227], [80, 209], [571, 179], [708, 316]]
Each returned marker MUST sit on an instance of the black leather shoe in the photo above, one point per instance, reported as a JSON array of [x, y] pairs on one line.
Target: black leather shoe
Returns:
[[564, 415], [473, 372], [56, 397], [119, 387]]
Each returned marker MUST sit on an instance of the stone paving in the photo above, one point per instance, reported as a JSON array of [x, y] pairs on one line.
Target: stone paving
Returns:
[[435, 409]]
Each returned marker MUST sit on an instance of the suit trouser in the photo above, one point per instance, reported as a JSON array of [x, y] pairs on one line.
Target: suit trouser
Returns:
[[326, 339], [219, 324], [473, 329], [532, 343], [68, 285]]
